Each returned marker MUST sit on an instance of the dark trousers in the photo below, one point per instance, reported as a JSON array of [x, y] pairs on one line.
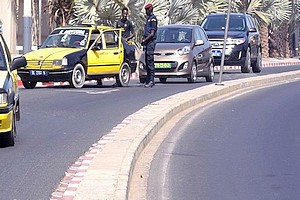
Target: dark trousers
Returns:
[[149, 58]]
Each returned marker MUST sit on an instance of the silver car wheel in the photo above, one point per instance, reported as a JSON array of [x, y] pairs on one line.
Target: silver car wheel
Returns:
[[78, 76], [193, 75], [124, 75], [211, 73]]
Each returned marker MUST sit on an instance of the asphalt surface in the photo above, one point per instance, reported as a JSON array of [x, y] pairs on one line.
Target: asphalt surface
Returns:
[[245, 147], [59, 124]]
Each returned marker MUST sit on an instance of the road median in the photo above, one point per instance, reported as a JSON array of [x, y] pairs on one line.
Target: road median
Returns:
[[107, 171]]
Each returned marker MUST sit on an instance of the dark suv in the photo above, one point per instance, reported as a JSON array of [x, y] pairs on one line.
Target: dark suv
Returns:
[[243, 47]]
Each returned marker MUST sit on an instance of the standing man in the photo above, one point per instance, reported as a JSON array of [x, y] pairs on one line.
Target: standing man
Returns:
[[149, 44], [124, 23]]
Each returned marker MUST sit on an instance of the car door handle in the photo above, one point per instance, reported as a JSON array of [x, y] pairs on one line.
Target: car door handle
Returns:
[[115, 53]]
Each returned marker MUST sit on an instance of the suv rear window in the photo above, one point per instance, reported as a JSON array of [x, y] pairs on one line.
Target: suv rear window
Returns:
[[218, 23]]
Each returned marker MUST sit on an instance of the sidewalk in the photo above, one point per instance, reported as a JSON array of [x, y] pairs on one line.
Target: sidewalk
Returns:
[[268, 62], [274, 62], [104, 171]]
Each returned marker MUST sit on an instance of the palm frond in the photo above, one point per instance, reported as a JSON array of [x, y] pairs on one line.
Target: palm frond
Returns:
[[182, 12], [280, 10], [96, 11], [210, 6], [160, 9]]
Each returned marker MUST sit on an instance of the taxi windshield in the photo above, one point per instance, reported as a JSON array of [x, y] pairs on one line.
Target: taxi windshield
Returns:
[[66, 38]]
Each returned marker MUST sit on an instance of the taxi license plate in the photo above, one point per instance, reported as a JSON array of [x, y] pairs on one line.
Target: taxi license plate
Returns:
[[38, 73], [217, 53], [162, 65]]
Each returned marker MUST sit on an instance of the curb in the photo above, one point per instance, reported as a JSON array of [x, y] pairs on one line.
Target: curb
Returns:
[[108, 165]]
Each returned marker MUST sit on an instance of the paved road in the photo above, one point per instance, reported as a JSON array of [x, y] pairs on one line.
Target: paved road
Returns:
[[59, 124], [246, 148]]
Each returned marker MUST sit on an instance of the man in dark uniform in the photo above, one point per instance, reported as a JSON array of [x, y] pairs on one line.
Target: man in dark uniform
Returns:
[[126, 24], [149, 44]]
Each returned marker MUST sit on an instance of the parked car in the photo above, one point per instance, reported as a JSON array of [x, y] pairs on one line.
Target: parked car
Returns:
[[9, 94], [243, 45], [79, 53], [181, 51]]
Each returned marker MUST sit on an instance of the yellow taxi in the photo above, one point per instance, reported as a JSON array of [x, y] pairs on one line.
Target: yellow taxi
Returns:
[[79, 53], [9, 95]]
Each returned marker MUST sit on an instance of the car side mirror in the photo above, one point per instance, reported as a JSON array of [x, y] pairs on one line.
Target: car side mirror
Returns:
[[199, 42], [18, 62], [252, 29]]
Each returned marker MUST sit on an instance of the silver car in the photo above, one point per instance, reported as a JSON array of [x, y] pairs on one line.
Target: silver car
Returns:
[[181, 51]]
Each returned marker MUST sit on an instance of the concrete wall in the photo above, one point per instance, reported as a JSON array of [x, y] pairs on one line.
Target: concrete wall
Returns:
[[9, 24], [13, 27]]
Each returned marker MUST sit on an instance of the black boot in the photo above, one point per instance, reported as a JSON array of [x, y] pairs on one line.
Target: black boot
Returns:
[[150, 84]]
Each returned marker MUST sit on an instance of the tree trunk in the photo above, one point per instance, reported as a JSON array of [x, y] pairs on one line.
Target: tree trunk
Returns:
[[281, 36], [264, 41], [35, 22]]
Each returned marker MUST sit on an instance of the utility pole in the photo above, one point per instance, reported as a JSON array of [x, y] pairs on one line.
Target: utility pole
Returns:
[[27, 40], [224, 44]]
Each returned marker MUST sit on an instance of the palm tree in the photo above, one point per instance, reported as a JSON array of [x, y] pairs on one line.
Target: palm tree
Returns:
[[294, 27], [181, 12], [35, 22], [281, 11], [266, 13], [206, 7], [60, 12]]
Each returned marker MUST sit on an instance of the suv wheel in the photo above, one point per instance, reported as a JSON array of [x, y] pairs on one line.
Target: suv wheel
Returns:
[[193, 75], [211, 73], [99, 83], [78, 76], [29, 84], [162, 80], [247, 66], [123, 77], [256, 68]]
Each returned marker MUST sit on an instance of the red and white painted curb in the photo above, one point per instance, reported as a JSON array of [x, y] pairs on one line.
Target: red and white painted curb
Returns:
[[264, 64], [68, 186], [52, 84]]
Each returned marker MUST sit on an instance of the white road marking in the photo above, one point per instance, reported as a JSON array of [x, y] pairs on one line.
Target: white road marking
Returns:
[[101, 92], [92, 92]]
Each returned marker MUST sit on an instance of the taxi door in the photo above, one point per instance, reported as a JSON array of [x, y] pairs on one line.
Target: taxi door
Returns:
[[105, 56]]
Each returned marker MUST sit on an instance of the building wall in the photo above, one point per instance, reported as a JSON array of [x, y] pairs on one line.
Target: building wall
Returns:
[[13, 27], [9, 24]]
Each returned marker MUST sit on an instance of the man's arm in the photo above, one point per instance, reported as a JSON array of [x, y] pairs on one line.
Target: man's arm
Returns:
[[151, 35], [132, 32]]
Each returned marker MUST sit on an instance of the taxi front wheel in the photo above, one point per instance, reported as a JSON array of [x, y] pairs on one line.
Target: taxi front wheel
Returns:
[[29, 84], [123, 77], [78, 76]]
